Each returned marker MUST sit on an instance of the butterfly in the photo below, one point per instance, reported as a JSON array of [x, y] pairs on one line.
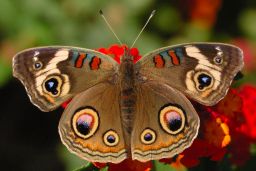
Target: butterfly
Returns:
[[130, 110]]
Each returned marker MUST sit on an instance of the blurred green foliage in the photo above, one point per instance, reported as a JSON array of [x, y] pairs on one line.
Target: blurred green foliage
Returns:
[[29, 23]]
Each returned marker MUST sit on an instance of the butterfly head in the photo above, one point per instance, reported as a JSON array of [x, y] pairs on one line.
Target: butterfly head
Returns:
[[127, 55]]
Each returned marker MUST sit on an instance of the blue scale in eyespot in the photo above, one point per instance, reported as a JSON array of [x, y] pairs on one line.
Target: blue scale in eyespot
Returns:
[[37, 65], [51, 86], [204, 80]]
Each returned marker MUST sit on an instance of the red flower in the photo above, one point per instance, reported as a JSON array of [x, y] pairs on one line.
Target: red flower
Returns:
[[231, 123], [126, 165], [216, 132], [203, 11], [248, 95], [239, 109], [117, 51], [249, 53], [239, 148], [131, 165], [213, 138], [65, 104], [201, 148]]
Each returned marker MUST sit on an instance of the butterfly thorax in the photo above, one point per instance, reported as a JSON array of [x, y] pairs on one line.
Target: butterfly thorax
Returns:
[[128, 97]]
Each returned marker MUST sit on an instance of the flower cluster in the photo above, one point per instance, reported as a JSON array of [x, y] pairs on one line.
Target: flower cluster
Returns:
[[228, 128], [116, 52]]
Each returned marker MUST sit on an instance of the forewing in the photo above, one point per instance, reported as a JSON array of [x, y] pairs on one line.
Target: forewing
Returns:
[[203, 71], [52, 75]]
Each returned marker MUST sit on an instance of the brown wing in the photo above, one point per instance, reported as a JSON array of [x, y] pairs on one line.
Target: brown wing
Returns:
[[91, 127], [203, 71], [165, 123], [52, 75]]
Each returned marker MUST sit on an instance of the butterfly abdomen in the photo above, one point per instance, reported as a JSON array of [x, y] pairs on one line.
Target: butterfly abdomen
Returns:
[[128, 97]]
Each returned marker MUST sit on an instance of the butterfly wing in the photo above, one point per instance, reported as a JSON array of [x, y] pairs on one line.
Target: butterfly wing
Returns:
[[165, 122], [203, 71], [52, 75], [91, 126]]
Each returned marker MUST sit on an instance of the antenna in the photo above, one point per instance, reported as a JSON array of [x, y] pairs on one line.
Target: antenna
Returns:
[[104, 18], [149, 18]]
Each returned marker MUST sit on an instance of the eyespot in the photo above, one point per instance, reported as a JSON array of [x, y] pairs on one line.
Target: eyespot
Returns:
[[111, 138], [203, 80], [148, 136], [85, 122], [37, 65], [52, 85], [172, 119], [218, 59]]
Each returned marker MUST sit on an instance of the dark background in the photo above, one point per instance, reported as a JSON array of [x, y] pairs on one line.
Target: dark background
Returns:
[[29, 138]]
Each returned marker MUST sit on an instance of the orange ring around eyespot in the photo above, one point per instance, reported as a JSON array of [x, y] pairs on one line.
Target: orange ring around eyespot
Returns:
[[196, 75], [151, 132], [163, 122], [113, 133], [95, 123]]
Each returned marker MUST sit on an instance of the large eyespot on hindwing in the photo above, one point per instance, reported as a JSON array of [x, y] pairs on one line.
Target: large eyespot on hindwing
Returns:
[[85, 122], [111, 138], [52, 85], [172, 119], [148, 136], [203, 80]]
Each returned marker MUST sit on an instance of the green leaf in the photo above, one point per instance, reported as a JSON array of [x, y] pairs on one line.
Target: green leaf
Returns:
[[71, 161], [195, 32], [88, 167], [247, 23], [5, 72], [158, 166], [91, 167], [168, 20]]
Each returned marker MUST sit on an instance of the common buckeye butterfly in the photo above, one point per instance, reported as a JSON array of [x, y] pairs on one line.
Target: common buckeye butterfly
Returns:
[[132, 110]]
